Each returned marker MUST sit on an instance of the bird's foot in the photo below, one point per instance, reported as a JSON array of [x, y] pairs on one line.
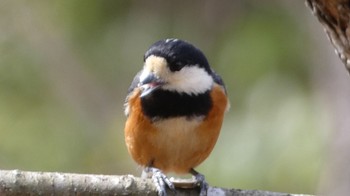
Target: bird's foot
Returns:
[[201, 182], [159, 179]]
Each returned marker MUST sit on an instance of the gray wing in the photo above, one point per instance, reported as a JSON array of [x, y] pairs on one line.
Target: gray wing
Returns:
[[218, 80], [134, 82]]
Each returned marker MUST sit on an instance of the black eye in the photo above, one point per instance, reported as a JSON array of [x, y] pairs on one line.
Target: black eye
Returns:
[[176, 66]]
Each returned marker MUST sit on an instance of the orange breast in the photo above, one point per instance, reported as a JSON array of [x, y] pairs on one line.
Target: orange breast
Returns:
[[176, 144]]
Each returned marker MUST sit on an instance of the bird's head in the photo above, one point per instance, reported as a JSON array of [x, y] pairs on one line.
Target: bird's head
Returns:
[[175, 65]]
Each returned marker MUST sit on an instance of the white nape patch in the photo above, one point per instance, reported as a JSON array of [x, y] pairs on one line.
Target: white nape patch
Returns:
[[190, 79], [171, 40]]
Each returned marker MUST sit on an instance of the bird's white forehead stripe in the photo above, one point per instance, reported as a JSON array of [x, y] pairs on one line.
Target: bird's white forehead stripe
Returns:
[[155, 64]]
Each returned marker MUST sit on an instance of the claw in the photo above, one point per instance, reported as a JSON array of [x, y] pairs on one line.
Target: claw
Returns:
[[201, 182], [160, 180]]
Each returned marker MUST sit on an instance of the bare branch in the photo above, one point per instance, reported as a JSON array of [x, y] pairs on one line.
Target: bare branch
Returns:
[[15, 182], [334, 15]]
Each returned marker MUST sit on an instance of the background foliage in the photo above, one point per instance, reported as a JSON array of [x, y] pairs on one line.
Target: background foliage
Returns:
[[65, 67]]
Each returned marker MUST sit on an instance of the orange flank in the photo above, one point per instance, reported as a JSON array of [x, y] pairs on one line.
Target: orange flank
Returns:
[[174, 144]]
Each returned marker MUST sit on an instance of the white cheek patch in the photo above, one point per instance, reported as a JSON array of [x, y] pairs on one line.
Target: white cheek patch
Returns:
[[190, 80]]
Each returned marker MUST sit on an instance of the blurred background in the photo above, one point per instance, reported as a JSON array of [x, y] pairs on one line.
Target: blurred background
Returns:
[[65, 66]]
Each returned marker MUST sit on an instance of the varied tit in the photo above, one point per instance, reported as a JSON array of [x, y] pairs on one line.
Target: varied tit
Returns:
[[175, 108]]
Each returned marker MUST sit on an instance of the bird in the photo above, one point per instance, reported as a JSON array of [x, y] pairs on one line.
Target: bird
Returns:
[[174, 110]]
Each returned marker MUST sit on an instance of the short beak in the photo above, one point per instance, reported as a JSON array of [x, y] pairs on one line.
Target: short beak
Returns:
[[149, 82]]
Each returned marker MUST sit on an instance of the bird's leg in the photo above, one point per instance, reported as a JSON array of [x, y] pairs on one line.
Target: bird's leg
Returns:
[[201, 181], [159, 179]]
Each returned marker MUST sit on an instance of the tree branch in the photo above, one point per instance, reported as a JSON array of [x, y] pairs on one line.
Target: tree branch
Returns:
[[15, 182], [334, 15]]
